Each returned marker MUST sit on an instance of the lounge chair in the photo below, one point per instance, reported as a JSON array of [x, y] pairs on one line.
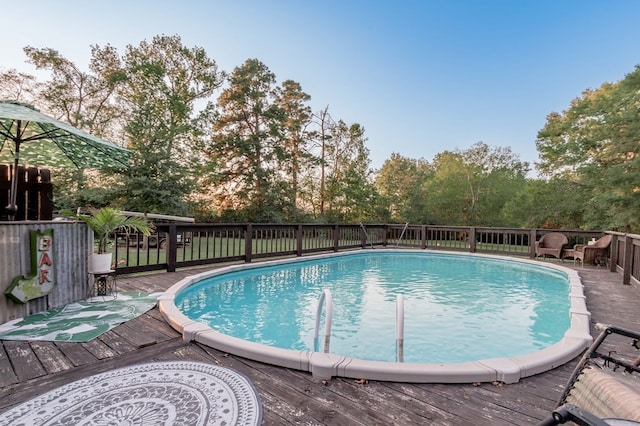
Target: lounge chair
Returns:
[[605, 384], [592, 253], [551, 244]]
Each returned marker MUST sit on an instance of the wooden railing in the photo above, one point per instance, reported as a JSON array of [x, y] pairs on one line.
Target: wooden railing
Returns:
[[625, 256], [188, 245], [202, 244]]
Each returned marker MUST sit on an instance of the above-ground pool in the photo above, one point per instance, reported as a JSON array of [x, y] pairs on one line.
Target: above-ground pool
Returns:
[[402, 315]]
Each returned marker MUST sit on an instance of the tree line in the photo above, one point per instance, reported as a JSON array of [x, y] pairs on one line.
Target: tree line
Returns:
[[240, 147]]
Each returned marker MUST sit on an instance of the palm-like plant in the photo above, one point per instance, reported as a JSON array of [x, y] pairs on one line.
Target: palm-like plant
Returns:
[[105, 222]]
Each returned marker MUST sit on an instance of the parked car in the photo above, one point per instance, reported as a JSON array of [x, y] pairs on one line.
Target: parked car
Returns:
[[159, 238]]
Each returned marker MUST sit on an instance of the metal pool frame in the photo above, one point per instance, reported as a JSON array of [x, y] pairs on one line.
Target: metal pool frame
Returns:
[[324, 366]]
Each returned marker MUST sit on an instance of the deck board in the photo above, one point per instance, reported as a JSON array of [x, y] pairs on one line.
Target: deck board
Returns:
[[155, 326], [114, 340], [138, 335], [295, 398], [99, 349], [7, 375], [77, 354], [25, 363], [52, 360]]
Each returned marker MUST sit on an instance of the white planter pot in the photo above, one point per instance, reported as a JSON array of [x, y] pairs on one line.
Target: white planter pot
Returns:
[[100, 263]]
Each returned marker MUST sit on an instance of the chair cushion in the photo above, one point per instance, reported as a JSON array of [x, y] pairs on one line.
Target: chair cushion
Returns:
[[606, 393]]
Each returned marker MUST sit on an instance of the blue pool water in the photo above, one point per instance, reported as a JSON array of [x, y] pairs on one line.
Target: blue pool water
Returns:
[[457, 308]]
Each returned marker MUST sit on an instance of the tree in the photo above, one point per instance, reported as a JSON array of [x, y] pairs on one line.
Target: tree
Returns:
[[350, 193], [595, 144], [18, 86], [540, 203], [165, 81], [247, 145], [470, 187], [446, 190], [326, 126], [296, 136], [401, 183], [85, 100]]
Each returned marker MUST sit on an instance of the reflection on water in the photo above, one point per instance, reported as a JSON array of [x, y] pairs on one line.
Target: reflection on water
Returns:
[[457, 308]]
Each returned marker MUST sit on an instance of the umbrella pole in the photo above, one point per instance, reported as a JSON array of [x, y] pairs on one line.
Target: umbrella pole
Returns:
[[12, 208]]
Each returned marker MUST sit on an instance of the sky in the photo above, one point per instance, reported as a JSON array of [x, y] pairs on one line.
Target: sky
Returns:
[[421, 77]]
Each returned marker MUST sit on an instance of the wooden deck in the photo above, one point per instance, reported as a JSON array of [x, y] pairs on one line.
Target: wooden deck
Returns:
[[28, 369]]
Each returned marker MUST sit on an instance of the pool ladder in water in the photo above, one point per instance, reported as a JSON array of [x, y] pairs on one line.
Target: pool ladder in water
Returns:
[[326, 295], [325, 298], [399, 328]]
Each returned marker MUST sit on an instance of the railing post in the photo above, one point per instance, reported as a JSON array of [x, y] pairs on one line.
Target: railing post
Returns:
[[386, 232], [613, 259], [628, 260], [532, 243], [336, 237], [299, 241], [248, 246], [472, 239], [425, 237], [172, 248]]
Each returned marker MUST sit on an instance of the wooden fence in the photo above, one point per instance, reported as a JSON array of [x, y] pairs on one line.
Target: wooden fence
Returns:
[[34, 196]]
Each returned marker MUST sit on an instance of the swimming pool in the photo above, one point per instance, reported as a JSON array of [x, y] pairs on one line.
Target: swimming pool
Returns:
[[453, 333]]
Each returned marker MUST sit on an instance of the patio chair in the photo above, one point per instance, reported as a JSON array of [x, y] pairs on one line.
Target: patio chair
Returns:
[[551, 244], [604, 388], [592, 253]]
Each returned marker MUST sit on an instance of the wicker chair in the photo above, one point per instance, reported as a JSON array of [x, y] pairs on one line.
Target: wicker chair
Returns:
[[590, 253], [551, 244]]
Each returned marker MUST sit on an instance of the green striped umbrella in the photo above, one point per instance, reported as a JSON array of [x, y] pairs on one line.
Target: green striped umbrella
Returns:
[[34, 139]]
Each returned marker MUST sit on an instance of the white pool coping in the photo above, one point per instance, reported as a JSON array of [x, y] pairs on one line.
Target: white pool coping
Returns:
[[324, 366]]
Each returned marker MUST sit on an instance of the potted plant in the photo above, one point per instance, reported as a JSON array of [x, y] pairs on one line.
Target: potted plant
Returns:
[[104, 223]]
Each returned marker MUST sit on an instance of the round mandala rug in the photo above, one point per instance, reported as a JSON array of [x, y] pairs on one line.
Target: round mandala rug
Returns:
[[159, 393]]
